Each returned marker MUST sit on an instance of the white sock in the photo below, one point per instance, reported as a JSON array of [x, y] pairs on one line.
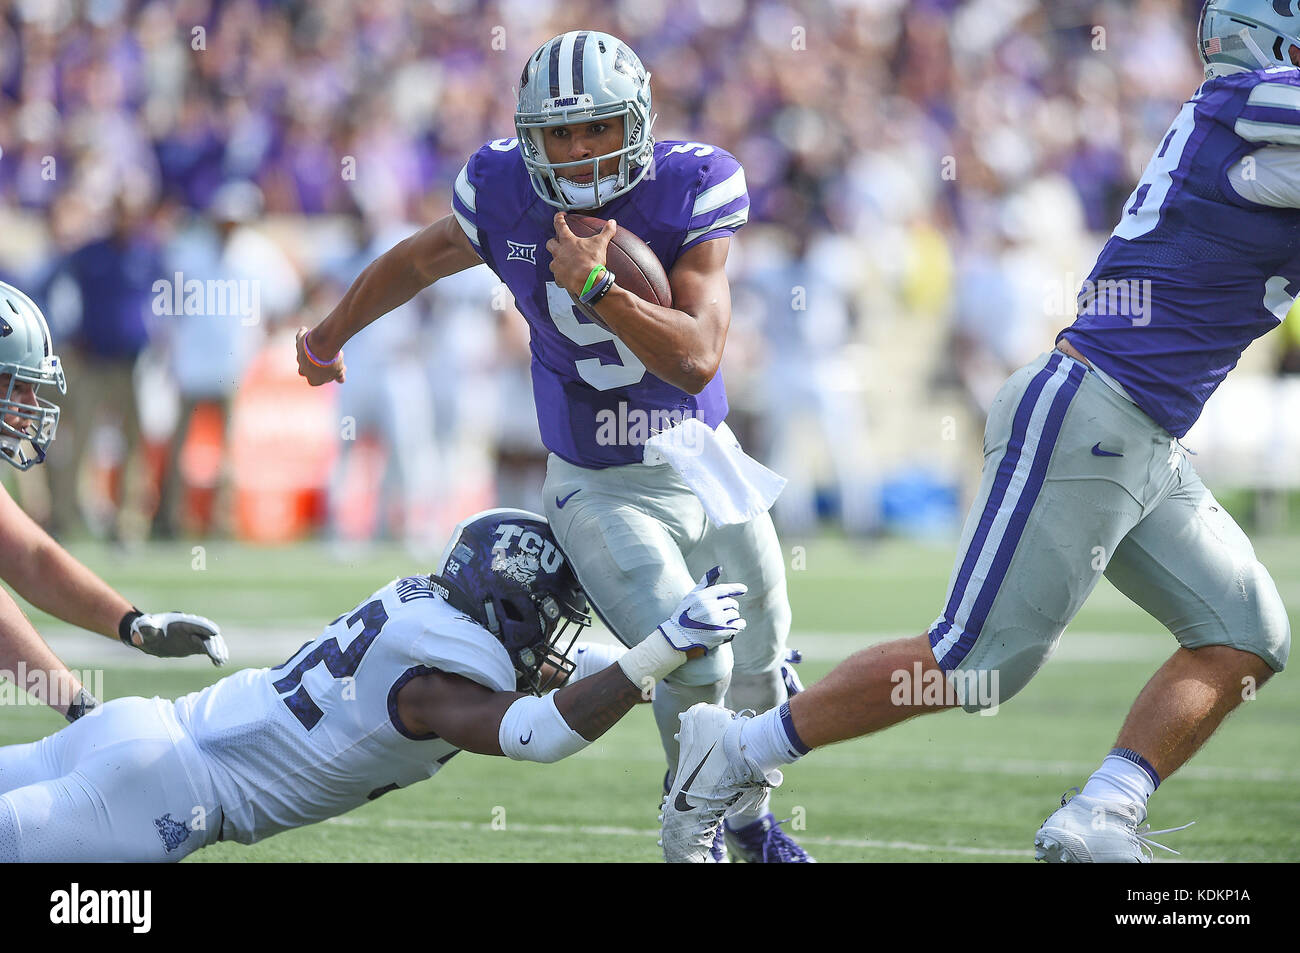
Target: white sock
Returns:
[[1120, 779], [769, 740]]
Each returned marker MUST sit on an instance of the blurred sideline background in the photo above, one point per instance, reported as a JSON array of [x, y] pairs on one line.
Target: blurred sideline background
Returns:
[[183, 184]]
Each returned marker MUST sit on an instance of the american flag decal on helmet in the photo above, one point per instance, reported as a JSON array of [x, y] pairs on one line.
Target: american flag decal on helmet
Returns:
[[1213, 45]]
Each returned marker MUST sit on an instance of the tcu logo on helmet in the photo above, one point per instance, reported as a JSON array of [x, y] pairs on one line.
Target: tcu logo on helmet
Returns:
[[533, 552], [1283, 8]]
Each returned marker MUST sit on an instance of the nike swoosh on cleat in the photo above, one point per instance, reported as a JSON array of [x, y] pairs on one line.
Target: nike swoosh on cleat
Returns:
[[681, 803], [1098, 452], [523, 740], [559, 503]]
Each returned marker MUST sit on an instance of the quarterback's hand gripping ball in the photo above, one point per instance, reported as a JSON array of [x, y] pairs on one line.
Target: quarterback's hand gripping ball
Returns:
[[177, 634], [573, 256], [708, 617]]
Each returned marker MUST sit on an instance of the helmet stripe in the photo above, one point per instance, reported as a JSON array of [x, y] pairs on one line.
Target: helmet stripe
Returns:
[[578, 46], [553, 67], [566, 64]]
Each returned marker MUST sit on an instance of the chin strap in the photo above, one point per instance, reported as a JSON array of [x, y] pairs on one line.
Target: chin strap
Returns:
[[1264, 61]]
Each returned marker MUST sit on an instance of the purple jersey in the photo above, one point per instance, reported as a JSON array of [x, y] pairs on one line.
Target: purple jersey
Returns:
[[596, 402], [1194, 272]]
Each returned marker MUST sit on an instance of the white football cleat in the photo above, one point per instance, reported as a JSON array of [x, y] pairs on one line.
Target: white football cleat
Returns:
[[714, 780], [1087, 830]]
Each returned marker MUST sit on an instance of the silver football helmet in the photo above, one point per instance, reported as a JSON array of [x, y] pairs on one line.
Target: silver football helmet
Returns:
[[26, 356], [579, 77], [1236, 36]]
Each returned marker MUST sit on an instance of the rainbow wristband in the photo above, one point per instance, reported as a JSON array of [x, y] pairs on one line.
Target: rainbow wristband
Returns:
[[312, 357]]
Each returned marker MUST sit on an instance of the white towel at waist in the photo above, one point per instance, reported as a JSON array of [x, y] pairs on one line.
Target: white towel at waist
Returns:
[[732, 486]]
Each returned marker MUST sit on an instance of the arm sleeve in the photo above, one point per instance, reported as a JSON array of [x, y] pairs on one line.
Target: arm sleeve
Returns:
[[533, 729], [721, 201]]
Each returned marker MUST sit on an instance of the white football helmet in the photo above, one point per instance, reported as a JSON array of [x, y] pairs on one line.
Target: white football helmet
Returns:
[[1236, 36], [579, 77], [26, 356]]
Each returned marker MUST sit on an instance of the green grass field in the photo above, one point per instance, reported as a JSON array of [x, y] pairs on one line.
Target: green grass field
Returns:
[[946, 787]]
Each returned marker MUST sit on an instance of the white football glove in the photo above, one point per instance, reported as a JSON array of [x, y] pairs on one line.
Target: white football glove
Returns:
[[708, 617], [173, 635]]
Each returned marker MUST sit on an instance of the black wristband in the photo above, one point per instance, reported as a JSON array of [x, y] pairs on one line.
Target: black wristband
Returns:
[[124, 627], [602, 288], [82, 703]]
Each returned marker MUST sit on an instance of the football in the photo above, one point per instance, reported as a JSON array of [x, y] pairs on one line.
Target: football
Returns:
[[633, 264]]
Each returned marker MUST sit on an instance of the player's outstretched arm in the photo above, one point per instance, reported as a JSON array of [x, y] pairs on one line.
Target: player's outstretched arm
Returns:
[[473, 717], [52, 579], [525, 727], [391, 280], [31, 665], [682, 344]]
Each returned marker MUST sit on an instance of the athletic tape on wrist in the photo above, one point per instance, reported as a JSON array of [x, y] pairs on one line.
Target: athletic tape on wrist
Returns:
[[652, 659]]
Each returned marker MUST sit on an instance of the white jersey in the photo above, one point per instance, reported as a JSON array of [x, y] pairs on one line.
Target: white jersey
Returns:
[[320, 734]]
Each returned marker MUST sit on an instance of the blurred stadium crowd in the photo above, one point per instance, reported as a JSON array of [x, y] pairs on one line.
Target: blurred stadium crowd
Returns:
[[184, 183]]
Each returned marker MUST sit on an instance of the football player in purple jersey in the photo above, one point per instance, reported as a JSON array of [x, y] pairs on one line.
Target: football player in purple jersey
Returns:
[[1084, 474], [637, 534]]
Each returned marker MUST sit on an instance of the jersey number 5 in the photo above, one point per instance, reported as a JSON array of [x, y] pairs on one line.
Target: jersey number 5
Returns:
[[341, 663], [595, 372]]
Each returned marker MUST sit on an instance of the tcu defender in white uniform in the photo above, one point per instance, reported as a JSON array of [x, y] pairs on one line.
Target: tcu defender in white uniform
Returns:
[[424, 668], [637, 533]]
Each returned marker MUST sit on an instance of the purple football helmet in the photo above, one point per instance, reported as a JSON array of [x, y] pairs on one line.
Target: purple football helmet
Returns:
[[505, 570]]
